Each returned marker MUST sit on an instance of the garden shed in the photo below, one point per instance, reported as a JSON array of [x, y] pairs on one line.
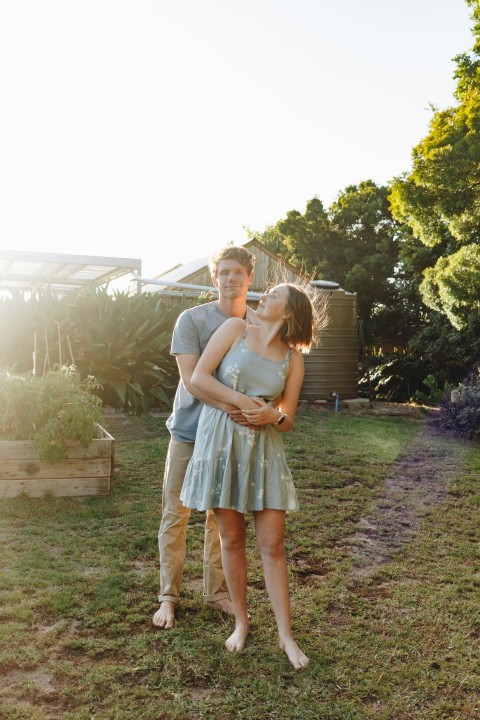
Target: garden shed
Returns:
[[269, 268], [331, 366]]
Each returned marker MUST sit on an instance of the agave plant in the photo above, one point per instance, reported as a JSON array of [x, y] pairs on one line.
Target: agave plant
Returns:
[[124, 342]]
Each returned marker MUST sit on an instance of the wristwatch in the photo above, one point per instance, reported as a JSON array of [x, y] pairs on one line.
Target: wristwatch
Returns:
[[281, 419]]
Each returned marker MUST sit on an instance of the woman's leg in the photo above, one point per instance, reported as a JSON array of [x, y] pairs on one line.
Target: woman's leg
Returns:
[[270, 531], [231, 525]]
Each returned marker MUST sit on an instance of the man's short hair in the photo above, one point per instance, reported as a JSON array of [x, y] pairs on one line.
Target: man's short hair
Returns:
[[232, 252]]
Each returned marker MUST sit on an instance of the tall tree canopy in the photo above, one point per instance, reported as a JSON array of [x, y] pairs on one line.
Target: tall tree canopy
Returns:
[[355, 243], [440, 198]]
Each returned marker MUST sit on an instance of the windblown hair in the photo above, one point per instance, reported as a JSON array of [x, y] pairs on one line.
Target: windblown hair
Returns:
[[306, 316], [232, 252]]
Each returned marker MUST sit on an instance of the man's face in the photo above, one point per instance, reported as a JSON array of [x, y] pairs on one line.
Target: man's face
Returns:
[[232, 279]]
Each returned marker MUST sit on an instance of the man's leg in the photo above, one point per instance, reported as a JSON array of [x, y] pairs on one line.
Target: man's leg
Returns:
[[173, 532], [214, 584]]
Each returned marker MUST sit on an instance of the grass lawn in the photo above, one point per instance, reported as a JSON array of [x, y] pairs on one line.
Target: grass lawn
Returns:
[[385, 584]]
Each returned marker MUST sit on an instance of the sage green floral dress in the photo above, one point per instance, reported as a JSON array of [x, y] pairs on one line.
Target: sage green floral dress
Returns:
[[233, 466]]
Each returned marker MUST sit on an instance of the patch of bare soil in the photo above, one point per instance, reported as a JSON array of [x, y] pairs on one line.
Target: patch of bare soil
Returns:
[[125, 428], [417, 483]]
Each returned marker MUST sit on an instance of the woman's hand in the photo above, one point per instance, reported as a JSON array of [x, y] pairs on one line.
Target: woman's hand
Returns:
[[263, 413], [248, 405]]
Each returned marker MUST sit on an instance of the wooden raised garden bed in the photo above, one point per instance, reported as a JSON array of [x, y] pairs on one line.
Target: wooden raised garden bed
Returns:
[[87, 470]]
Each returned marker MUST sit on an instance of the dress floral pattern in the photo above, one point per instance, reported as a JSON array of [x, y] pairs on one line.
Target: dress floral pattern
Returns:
[[233, 466]]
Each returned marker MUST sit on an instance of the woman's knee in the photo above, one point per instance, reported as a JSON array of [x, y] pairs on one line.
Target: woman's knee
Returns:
[[271, 548], [232, 541]]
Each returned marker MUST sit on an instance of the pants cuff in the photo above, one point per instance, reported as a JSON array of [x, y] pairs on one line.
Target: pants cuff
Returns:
[[168, 598]]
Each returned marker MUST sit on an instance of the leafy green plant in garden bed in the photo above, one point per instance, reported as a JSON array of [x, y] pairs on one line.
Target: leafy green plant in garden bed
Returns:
[[51, 410]]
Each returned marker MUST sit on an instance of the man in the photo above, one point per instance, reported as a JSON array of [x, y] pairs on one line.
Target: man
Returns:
[[231, 269]]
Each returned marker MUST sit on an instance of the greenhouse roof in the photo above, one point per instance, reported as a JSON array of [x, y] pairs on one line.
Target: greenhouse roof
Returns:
[[32, 271]]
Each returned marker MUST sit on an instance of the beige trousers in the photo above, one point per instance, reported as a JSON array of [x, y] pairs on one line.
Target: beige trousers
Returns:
[[172, 535]]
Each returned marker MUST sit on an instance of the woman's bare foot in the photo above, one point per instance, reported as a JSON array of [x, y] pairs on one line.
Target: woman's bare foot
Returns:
[[224, 605], [237, 639], [295, 655], [165, 615]]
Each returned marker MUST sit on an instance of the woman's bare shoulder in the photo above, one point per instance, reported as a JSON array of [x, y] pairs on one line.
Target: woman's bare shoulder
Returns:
[[296, 358], [234, 323]]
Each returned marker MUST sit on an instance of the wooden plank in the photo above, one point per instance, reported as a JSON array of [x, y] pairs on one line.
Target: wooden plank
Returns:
[[59, 487], [87, 471], [72, 468], [25, 450]]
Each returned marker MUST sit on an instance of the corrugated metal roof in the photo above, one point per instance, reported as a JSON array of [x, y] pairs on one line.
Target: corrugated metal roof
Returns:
[[182, 271], [31, 271]]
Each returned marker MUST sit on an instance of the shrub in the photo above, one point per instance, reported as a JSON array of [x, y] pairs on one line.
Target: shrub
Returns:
[[433, 393], [393, 378], [461, 412]]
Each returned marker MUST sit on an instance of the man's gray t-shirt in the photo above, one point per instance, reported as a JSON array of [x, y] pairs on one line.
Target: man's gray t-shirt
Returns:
[[193, 330]]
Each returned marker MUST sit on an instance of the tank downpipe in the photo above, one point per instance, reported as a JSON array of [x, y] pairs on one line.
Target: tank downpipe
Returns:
[[336, 397]]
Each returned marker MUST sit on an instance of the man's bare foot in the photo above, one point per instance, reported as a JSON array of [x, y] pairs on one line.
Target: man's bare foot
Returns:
[[236, 641], [224, 605], [165, 615], [295, 655]]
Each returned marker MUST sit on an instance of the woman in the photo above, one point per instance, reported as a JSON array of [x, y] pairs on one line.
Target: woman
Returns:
[[235, 469]]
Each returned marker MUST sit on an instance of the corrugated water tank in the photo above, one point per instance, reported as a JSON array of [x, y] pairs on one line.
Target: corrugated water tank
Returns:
[[332, 364]]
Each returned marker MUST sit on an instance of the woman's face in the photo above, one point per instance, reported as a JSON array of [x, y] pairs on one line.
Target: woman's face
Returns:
[[274, 303]]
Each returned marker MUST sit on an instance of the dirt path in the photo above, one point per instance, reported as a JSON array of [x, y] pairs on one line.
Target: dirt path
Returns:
[[417, 483]]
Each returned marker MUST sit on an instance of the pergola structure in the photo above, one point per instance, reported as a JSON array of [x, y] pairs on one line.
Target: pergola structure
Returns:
[[32, 271]]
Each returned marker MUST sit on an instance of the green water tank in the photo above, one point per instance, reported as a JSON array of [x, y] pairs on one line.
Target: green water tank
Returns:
[[332, 364]]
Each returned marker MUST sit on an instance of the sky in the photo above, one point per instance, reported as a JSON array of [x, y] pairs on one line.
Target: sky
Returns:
[[163, 129]]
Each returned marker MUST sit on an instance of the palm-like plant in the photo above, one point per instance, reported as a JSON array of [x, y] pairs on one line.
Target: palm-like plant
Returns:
[[124, 342]]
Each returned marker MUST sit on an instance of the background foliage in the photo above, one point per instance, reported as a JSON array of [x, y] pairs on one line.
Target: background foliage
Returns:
[[440, 198], [124, 342], [410, 250]]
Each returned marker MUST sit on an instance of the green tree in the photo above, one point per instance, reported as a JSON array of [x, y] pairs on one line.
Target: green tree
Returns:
[[370, 243], [440, 198], [354, 243], [310, 241]]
